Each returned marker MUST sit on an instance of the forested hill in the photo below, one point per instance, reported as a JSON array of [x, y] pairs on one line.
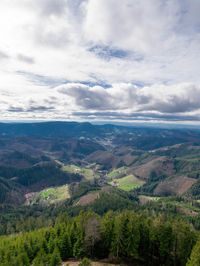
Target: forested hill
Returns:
[[48, 129], [76, 129], [133, 238]]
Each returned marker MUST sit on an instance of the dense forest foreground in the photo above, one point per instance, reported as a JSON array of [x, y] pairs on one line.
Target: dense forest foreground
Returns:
[[118, 236]]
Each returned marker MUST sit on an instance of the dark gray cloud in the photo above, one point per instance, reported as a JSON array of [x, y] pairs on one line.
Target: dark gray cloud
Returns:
[[186, 101], [40, 108], [15, 109], [175, 105], [30, 109], [26, 59], [52, 100], [100, 98], [136, 102], [86, 98]]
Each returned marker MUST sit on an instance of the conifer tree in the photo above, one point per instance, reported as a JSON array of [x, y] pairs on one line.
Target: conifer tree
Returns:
[[194, 259], [55, 258]]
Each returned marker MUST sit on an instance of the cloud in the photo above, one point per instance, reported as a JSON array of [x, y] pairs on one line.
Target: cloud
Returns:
[[39, 79], [119, 96], [15, 109], [39, 109], [87, 97], [30, 107], [125, 102], [90, 56], [26, 59], [51, 7], [179, 98], [109, 116], [138, 25], [3, 55], [54, 34], [128, 98]]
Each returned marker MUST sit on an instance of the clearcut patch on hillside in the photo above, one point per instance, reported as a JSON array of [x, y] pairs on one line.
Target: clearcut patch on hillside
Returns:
[[161, 166], [174, 186], [87, 199]]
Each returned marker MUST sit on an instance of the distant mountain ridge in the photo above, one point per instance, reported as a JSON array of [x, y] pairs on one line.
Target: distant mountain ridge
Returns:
[[85, 129], [46, 128], [35, 156]]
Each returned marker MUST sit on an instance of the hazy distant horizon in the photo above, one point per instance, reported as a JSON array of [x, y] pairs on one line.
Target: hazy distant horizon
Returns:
[[123, 123]]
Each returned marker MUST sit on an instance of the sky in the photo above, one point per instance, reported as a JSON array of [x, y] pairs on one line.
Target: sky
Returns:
[[100, 60]]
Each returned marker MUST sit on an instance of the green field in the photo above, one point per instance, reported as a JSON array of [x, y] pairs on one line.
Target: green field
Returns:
[[144, 198], [115, 173], [49, 195], [127, 183], [87, 173], [151, 198]]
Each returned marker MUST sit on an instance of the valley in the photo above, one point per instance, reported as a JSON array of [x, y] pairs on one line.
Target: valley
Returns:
[[73, 168], [38, 169]]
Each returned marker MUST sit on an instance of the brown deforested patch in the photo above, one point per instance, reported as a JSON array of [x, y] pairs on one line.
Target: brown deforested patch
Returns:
[[174, 186], [87, 199]]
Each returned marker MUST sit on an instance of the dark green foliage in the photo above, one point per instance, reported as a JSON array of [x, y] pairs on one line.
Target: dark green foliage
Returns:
[[22, 259], [64, 245], [153, 175], [55, 258], [121, 164], [155, 241], [10, 192], [136, 153], [86, 147], [27, 218], [79, 189], [16, 156], [194, 259], [195, 189], [5, 188], [112, 201], [180, 151], [85, 262], [40, 175], [191, 167], [42, 258], [49, 171], [8, 171], [151, 184], [155, 142]]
